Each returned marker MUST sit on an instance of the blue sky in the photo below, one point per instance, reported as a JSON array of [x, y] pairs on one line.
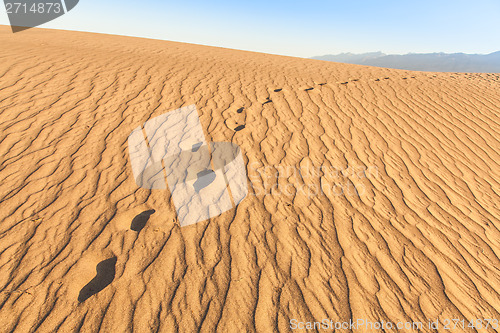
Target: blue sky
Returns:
[[299, 28]]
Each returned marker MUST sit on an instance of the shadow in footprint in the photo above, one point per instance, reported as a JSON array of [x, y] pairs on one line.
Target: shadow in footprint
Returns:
[[278, 90], [377, 80], [308, 89], [240, 110], [239, 128], [139, 222], [196, 146], [268, 101], [105, 275], [344, 82], [322, 84], [205, 178]]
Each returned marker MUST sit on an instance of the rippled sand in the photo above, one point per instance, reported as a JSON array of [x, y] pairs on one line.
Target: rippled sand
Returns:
[[393, 216]]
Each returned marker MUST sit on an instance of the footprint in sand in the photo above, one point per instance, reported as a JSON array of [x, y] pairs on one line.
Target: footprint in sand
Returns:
[[139, 222], [196, 147], [204, 178], [235, 122], [308, 89], [105, 275]]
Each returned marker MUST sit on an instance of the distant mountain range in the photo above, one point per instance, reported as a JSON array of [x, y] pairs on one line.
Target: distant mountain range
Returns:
[[433, 62]]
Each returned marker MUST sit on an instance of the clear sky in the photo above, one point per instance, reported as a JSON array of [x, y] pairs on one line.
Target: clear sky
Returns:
[[298, 28]]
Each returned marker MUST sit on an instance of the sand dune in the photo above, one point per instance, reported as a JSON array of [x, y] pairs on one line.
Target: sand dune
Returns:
[[394, 215]]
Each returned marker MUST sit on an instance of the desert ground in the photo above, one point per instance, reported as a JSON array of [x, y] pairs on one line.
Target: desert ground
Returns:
[[373, 193]]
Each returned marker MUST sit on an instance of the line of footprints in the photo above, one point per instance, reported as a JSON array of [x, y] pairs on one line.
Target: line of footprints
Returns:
[[238, 125], [105, 270]]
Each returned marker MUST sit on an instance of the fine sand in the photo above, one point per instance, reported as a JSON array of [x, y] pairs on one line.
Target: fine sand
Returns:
[[415, 237]]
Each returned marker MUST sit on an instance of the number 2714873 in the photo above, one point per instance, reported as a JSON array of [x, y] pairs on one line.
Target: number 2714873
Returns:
[[36, 8], [452, 324]]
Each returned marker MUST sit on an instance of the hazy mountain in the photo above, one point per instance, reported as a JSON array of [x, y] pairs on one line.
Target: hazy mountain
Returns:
[[435, 62]]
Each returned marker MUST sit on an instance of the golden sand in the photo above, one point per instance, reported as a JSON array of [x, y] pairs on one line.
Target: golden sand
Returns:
[[415, 237]]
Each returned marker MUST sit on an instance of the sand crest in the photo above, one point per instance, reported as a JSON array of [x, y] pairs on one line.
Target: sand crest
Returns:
[[373, 193]]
